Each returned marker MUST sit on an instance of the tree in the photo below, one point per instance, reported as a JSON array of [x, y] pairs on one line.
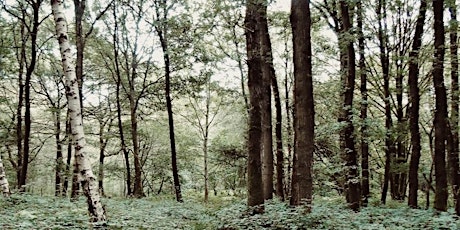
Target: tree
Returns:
[[385, 62], [55, 98], [29, 28], [302, 180], [89, 183], [453, 158], [254, 62], [162, 29], [118, 80], [3, 180], [414, 109], [352, 182], [268, 72], [440, 114], [364, 131]]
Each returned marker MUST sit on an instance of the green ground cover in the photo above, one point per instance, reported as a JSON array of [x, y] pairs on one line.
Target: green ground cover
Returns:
[[37, 212]]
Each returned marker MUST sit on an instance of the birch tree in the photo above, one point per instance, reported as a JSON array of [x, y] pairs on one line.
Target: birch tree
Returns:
[[3, 180], [89, 183]]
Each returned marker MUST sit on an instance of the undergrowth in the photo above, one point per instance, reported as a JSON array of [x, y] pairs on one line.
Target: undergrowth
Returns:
[[35, 212]]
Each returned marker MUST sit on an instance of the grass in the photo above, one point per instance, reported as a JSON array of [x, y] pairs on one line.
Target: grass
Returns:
[[36, 212]]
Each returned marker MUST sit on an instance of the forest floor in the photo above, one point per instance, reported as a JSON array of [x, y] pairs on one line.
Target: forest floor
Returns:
[[38, 212]]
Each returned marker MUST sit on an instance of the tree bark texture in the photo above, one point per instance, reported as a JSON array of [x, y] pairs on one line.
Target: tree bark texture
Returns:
[[254, 62], [453, 157], [385, 62], [89, 183], [440, 115], [59, 167], [352, 182], [266, 106], [414, 100], [302, 181], [365, 188], [279, 140], [3, 180], [19, 132], [27, 86], [124, 148]]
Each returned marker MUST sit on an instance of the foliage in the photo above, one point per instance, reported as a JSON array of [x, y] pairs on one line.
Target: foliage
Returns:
[[29, 211]]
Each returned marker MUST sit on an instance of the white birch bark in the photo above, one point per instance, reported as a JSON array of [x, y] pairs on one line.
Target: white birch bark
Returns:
[[89, 181], [3, 180]]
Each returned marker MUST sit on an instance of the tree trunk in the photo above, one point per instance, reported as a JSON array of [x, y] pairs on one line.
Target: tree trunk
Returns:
[[75, 178], [287, 106], [102, 146], [89, 184], [453, 157], [385, 62], [254, 62], [414, 100], [162, 31], [119, 114], [138, 190], [69, 154], [59, 158], [4, 181], [27, 87], [79, 9], [440, 115], [279, 140], [302, 181], [19, 133], [266, 107], [365, 190], [352, 183]]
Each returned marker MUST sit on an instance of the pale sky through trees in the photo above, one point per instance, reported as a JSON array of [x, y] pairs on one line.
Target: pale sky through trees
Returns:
[[281, 5]]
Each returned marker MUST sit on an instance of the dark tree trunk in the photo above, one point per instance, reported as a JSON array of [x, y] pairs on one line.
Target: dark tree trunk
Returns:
[[365, 190], [453, 157], [302, 181], [279, 141], [385, 62], [19, 133], [352, 183], [27, 87], [68, 137], [267, 136], [75, 181], [59, 157], [414, 100], [163, 35], [102, 146], [119, 114], [79, 8], [399, 174], [440, 115], [254, 62], [138, 190]]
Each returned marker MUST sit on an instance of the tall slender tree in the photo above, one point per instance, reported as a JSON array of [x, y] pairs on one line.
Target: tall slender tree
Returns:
[[453, 158], [414, 100], [440, 115], [89, 182], [385, 62], [365, 190], [352, 182], [267, 72], [117, 77], [254, 62], [302, 181], [162, 29]]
